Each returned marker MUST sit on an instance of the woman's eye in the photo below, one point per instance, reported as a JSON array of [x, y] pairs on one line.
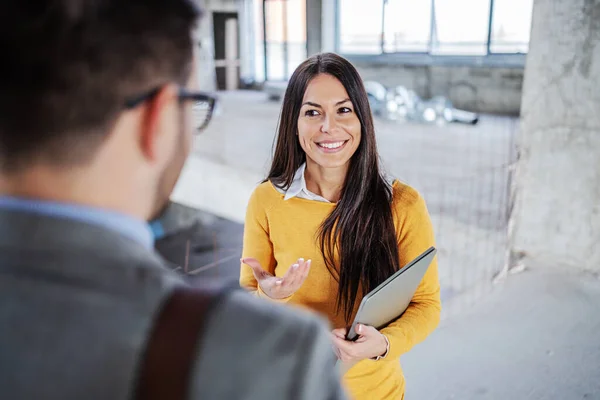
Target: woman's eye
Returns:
[[344, 110], [311, 113]]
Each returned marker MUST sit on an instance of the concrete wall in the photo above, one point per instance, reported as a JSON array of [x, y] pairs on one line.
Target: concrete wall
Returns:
[[314, 35], [206, 49], [556, 220], [482, 89], [328, 25], [247, 33]]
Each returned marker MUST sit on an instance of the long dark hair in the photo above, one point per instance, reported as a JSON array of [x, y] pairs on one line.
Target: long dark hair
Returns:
[[360, 228]]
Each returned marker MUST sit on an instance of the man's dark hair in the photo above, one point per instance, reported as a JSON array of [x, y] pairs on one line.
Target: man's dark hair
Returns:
[[68, 67]]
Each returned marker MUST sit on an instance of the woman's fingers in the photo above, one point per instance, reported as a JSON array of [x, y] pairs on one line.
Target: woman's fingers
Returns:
[[290, 277], [343, 345], [366, 331], [340, 333], [343, 355], [305, 270], [257, 269], [280, 287], [298, 275], [301, 274], [293, 270]]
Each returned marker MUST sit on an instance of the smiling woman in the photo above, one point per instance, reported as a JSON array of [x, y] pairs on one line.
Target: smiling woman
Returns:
[[327, 201], [328, 127]]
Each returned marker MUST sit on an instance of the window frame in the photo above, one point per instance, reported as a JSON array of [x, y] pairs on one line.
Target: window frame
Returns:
[[490, 58]]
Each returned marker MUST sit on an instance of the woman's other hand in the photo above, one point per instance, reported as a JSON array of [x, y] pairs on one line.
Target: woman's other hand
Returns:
[[275, 287], [369, 345]]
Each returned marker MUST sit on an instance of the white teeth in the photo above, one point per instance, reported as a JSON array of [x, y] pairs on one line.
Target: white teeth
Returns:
[[332, 145]]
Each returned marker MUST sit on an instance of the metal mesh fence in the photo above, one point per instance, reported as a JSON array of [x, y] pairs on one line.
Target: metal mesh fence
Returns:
[[464, 174]]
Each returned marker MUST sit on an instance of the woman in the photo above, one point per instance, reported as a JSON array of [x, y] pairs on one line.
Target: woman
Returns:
[[326, 199]]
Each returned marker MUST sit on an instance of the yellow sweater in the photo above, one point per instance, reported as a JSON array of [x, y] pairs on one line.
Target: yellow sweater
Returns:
[[278, 232]]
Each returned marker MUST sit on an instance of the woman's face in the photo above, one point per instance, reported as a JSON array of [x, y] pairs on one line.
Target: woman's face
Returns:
[[328, 128]]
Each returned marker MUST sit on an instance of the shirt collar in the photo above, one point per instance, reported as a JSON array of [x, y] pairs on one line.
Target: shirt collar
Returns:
[[298, 184], [298, 187], [125, 225]]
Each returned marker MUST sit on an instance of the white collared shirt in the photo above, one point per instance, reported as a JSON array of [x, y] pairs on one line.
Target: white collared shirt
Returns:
[[298, 187]]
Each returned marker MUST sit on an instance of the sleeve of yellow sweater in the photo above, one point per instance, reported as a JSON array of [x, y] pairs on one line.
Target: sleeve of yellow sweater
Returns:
[[257, 243], [415, 235]]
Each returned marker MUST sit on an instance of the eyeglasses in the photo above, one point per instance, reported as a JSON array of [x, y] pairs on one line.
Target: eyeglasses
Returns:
[[202, 109]]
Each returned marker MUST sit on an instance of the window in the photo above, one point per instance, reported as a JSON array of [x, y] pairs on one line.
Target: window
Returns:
[[285, 37], [437, 27], [259, 37], [407, 26], [460, 27], [296, 15], [511, 26], [360, 26]]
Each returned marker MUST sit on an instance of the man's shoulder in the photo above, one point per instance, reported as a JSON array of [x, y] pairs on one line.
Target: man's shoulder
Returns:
[[239, 307], [266, 348]]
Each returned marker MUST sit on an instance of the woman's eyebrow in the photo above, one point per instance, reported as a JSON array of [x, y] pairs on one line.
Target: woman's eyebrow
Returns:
[[310, 103]]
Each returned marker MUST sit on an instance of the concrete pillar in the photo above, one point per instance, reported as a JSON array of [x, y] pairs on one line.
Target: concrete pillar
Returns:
[[231, 54], [205, 49], [329, 17], [556, 219], [314, 11], [248, 34]]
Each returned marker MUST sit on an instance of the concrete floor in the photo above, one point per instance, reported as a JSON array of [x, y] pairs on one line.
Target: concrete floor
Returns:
[[462, 171], [536, 336], [203, 246]]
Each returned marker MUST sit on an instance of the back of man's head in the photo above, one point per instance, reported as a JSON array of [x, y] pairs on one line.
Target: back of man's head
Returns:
[[69, 67]]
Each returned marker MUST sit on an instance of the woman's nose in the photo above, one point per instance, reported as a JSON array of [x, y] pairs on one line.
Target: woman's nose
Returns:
[[329, 124]]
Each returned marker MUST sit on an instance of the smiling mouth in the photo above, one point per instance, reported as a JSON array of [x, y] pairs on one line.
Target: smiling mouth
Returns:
[[332, 145]]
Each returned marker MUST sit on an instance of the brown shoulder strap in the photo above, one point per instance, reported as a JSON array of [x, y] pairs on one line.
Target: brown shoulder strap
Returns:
[[172, 346]]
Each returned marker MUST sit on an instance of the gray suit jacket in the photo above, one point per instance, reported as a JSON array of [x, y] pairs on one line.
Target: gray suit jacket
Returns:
[[76, 305]]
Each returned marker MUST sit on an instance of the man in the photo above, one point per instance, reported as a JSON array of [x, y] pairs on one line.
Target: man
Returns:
[[96, 118]]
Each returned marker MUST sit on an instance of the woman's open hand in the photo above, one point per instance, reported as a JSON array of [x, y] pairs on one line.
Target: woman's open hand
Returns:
[[370, 344], [275, 287]]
